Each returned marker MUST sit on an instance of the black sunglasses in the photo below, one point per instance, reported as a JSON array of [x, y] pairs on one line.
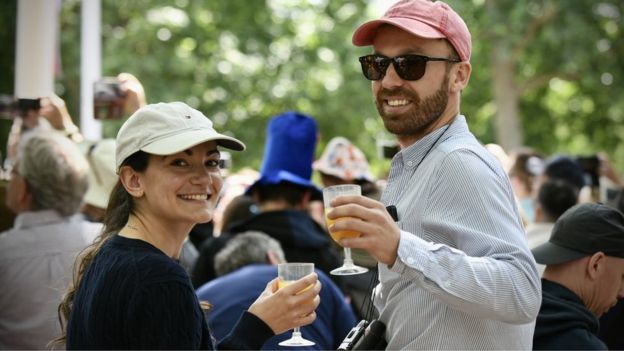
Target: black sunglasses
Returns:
[[408, 67]]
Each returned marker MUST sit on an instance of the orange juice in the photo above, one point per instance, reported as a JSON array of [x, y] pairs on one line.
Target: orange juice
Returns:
[[282, 283], [341, 234]]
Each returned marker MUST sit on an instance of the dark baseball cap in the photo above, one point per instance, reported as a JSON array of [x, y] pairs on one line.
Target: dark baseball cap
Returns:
[[582, 231]]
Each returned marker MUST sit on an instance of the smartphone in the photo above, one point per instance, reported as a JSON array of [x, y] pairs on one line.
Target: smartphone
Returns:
[[108, 99], [591, 167], [226, 160]]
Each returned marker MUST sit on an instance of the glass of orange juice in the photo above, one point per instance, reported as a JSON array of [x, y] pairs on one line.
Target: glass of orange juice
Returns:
[[288, 273], [330, 193]]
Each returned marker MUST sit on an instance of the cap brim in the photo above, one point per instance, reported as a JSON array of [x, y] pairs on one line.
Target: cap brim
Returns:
[[364, 35], [183, 141], [285, 176], [549, 253]]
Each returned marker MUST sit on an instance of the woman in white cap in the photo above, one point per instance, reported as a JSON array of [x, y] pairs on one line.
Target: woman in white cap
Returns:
[[129, 292]]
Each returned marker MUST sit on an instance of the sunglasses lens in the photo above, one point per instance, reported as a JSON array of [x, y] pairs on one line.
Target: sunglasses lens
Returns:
[[410, 67], [372, 67]]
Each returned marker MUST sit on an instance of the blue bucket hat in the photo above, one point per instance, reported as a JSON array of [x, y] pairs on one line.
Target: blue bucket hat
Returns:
[[289, 152]]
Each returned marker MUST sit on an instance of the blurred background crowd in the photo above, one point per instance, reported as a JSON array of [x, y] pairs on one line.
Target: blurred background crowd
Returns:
[[546, 102]]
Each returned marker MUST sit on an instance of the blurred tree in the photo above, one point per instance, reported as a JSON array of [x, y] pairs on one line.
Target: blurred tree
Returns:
[[546, 73], [241, 62], [8, 9], [551, 67]]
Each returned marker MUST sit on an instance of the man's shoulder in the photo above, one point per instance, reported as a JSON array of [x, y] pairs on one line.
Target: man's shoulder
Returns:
[[288, 227], [468, 154], [249, 280], [70, 236]]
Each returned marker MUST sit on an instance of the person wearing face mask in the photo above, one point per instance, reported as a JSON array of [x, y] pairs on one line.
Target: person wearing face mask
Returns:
[[130, 292], [455, 269]]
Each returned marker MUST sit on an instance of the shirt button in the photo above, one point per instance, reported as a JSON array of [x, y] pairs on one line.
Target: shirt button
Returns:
[[447, 284], [410, 260], [410, 163]]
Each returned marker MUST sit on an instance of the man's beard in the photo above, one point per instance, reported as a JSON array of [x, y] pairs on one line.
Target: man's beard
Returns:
[[422, 114]]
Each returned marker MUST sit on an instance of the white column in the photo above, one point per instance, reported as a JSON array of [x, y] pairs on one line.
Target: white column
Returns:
[[34, 52], [90, 65]]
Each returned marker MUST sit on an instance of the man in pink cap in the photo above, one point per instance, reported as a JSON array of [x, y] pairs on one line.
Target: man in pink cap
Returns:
[[455, 269]]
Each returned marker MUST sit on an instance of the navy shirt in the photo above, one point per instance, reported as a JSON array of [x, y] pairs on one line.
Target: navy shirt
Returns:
[[133, 296], [564, 322]]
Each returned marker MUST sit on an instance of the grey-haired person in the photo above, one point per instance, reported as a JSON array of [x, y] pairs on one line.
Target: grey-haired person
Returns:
[[584, 277], [455, 270], [246, 261], [129, 291], [47, 185]]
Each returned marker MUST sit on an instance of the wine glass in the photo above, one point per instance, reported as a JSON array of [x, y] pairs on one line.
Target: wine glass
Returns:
[[288, 273], [329, 193]]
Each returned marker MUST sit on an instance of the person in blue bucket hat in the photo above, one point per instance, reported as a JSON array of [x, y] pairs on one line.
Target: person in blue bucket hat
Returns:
[[283, 193], [289, 152]]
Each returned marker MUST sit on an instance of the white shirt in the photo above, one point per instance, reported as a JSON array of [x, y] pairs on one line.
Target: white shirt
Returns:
[[36, 261], [538, 234], [464, 277]]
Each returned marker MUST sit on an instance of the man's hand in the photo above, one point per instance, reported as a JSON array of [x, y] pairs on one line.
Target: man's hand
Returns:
[[133, 92], [380, 234], [53, 109], [606, 169]]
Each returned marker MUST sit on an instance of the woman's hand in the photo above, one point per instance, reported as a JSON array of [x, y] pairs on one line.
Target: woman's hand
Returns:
[[289, 306]]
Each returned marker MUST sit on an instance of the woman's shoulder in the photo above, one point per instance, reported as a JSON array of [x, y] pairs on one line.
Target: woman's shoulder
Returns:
[[142, 261]]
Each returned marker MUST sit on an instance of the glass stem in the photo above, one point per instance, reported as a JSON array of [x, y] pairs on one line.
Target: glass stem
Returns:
[[347, 259], [296, 332]]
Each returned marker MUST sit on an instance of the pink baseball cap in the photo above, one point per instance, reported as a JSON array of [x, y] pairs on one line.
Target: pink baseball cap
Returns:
[[422, 18]]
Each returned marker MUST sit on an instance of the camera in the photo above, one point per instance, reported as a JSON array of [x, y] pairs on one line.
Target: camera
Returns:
[[8, 106], [591, 168], [226, 160], [11, 107], [108, 99], [353, 336], [365, 336]]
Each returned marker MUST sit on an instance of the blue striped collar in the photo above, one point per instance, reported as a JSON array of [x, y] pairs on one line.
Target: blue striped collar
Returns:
[[414, 154]]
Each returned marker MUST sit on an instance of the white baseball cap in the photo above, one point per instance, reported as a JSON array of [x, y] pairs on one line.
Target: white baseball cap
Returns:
[[166, 129]]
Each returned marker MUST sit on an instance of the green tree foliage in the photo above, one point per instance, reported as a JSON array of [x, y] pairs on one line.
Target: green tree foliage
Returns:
[[564, 59], [242, 62], [546, 73]]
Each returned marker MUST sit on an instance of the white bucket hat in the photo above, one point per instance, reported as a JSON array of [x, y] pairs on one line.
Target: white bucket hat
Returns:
[[344, 160], [167, 128]]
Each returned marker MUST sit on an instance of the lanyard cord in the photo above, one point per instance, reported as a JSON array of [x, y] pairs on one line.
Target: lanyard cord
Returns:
[[370, 299]]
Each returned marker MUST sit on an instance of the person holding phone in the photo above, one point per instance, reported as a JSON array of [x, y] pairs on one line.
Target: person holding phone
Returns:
[[129, 291]]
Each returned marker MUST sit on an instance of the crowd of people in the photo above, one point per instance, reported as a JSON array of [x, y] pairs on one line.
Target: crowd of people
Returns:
[[144, 241]]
